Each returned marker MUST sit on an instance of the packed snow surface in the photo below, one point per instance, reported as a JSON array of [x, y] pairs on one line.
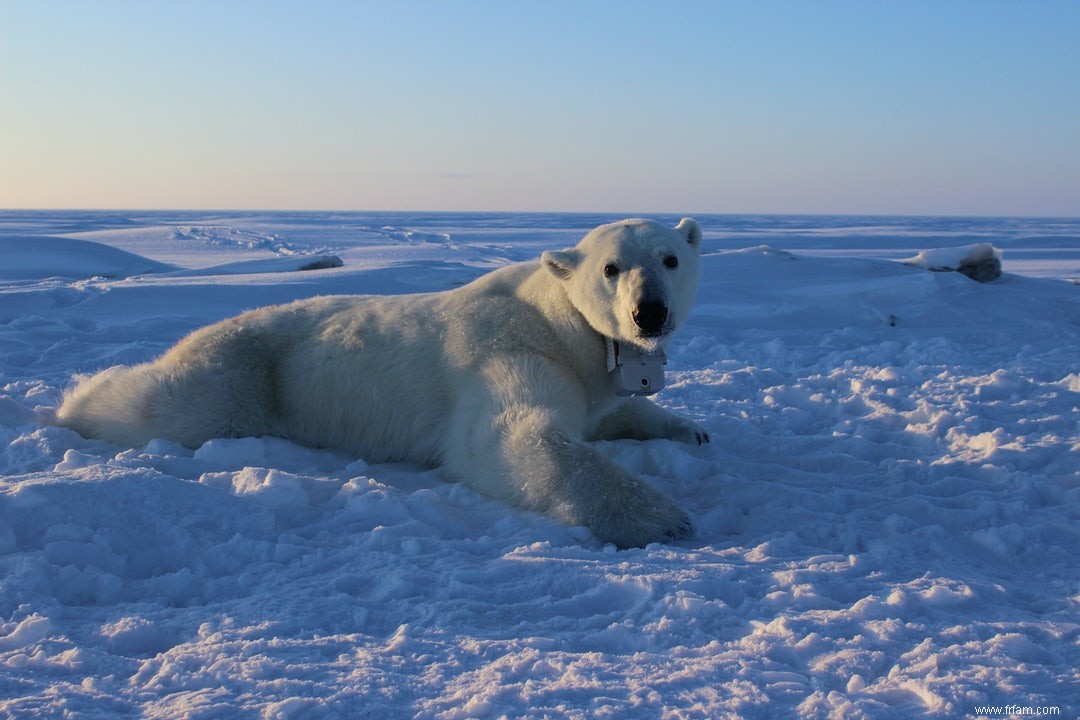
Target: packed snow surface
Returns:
[[888, 516]]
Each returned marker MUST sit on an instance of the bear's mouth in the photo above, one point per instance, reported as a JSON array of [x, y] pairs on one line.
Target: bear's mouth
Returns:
[[656, 333], [650, 341]]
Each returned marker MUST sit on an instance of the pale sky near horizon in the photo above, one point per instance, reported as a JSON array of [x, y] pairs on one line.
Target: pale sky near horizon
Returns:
[[947, 107]]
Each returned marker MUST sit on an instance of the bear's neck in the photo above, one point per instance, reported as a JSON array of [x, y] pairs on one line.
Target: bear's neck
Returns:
[[583, 346]]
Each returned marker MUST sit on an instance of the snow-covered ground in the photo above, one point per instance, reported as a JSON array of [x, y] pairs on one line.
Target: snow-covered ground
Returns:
[[888, 517]]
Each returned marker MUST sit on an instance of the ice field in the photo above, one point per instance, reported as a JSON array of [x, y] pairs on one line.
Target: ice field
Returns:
[[888, 516]]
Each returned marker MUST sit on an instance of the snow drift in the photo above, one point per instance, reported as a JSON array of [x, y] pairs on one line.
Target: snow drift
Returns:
[[887, 516]]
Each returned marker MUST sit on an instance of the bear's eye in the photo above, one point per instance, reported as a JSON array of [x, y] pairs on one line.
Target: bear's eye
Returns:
[[611, 270], [671, 262]]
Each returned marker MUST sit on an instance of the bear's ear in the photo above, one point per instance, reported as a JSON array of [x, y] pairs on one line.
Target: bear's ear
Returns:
[[561, 263], [692, 231]]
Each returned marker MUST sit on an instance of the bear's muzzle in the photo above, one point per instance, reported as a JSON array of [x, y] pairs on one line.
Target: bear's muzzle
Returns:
[[650, 317]]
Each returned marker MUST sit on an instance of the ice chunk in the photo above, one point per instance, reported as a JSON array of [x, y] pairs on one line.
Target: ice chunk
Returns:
[[980, 262]]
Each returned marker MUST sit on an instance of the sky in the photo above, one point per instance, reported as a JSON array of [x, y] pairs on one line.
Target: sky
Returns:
[[942, 107]]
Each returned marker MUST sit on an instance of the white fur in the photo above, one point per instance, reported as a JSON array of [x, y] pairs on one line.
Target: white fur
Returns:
[[500, 381]]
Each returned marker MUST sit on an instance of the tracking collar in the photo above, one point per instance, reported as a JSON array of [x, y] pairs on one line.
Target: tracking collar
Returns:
[[634, 371]]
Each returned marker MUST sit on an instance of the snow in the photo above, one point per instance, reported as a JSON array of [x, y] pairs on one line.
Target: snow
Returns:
[[981, 261], [887, 516], [952, 258], [33, 258]]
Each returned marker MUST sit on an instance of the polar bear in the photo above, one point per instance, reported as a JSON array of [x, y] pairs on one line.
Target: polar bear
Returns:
[[501, 382]]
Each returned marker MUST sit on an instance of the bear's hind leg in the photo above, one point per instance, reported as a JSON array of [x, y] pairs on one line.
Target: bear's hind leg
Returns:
[[215, 383]]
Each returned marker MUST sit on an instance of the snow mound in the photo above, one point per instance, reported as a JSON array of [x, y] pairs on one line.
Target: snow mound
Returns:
[[291, 263], [980, 262], [37, 257]]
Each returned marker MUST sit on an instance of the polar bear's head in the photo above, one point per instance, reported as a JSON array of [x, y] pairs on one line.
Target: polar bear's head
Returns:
[[635, 280]]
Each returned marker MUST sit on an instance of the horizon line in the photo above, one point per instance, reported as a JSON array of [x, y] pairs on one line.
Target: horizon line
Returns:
[[623, 213]]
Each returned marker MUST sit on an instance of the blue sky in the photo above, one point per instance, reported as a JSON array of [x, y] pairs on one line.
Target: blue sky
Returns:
[[905, 107]]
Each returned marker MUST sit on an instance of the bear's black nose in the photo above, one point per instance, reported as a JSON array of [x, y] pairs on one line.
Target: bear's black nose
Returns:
[[650, 317]]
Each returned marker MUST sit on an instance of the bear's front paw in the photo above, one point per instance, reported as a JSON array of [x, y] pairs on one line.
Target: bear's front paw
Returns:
[[689, 432], [647, 517]]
